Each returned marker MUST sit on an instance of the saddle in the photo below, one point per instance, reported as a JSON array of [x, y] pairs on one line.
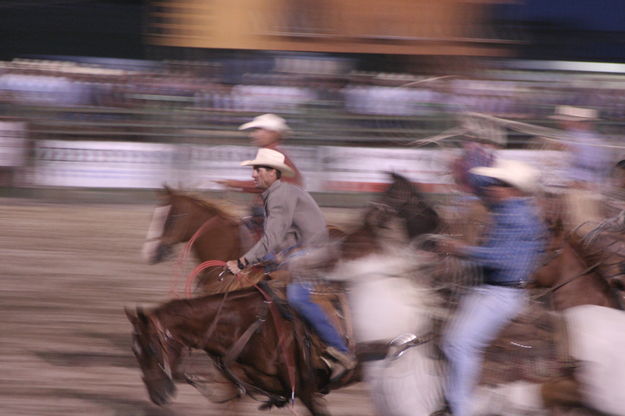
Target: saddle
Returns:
[[533, 347], [331, 297]]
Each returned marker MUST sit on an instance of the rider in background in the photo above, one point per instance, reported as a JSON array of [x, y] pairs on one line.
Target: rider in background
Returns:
[[615, 196], [266, 132], [294, 224], [508, 257], [589, 167], [480, 145]]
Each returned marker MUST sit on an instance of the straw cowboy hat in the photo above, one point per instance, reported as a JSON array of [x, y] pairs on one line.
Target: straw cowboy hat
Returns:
[[570, 113], [271, 158], [483, 129], [268, 122], [518, 174]]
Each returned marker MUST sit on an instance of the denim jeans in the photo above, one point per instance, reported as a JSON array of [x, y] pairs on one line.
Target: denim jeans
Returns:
[[298, 295], [481, 315]]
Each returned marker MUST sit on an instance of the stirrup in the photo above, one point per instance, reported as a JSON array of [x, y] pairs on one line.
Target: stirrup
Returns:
[[445, 411], [338, 371], [346, 359]]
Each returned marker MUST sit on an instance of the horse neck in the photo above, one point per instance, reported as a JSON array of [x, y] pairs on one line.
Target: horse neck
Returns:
[[204, 214], [586, 286], [193, 322], [216, 234]]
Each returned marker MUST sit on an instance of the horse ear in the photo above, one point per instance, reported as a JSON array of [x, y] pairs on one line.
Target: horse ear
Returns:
[[392, 175], [132, 317], [166, 189], [141, 315]]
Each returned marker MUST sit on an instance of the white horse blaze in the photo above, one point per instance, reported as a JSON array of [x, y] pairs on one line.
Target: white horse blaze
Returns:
[[155, 230]]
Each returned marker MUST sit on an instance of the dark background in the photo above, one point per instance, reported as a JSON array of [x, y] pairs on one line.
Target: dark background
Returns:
[[111, 28], [550, 29]]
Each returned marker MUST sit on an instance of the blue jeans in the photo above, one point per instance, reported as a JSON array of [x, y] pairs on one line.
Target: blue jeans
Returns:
[[481, 315], [298, 295]]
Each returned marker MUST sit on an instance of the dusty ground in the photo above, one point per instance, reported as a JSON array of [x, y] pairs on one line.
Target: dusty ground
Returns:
[[66, 273]]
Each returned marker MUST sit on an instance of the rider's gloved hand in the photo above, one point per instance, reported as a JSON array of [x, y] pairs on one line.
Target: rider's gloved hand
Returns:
[[235, 266]]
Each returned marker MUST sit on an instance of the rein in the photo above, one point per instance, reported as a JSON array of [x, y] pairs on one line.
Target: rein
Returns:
[[163, 336], [288, 359], [566, 282]]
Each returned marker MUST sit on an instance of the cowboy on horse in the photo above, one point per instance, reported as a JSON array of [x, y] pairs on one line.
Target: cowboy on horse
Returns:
[[512, 248], [294, 224]]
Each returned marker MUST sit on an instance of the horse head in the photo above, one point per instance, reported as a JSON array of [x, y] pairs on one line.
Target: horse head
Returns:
[[152, 357], [410, 204], [175, 220]]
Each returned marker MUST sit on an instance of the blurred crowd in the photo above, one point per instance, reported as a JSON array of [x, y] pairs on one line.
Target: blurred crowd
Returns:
[[326, 101], [209, 87]]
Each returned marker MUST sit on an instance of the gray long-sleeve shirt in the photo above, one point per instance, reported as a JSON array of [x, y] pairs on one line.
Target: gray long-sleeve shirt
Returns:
[[292, 217]]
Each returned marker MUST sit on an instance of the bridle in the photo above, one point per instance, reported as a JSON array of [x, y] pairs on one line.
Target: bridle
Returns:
[[164, 337]]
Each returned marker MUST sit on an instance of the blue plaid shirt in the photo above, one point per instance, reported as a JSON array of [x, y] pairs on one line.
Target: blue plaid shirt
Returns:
[[514, 243]]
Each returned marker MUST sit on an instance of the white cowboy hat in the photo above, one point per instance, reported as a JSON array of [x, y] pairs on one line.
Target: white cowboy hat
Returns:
[[570, 113], [268, 122], [271, 158], [518, 174]]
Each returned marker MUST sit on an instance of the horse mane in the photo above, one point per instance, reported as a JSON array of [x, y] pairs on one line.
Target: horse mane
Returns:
[[221, 208], [183, 308], [594, 259]]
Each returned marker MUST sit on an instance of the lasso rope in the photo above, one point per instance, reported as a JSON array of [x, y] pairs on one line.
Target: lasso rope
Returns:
[[199, 269], [184, 254]]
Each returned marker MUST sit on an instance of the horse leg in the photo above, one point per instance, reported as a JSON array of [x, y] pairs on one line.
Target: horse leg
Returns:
[[561, 392], [314, 404], [316, 408]]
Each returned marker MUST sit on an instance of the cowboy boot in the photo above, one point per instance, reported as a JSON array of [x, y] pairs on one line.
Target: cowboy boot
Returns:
[[442, 412], [445, 410], [343, 362]]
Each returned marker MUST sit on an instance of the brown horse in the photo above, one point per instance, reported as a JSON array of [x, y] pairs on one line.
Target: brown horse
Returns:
[[259, 351], [210, 233], [576, 272]]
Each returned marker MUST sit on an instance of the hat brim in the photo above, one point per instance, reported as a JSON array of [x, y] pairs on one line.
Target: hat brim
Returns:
[[283, 168], [560, 117], [249, 125], [259, 125], [523, 182]]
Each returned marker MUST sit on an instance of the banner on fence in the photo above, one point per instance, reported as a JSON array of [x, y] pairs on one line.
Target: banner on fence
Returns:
[[101, 164], [324, 168]]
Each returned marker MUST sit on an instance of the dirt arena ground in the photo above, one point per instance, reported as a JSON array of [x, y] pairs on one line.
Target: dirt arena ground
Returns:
[[67, 271]]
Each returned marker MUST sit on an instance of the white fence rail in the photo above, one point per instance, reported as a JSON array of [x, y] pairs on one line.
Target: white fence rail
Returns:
[[325, 168]]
